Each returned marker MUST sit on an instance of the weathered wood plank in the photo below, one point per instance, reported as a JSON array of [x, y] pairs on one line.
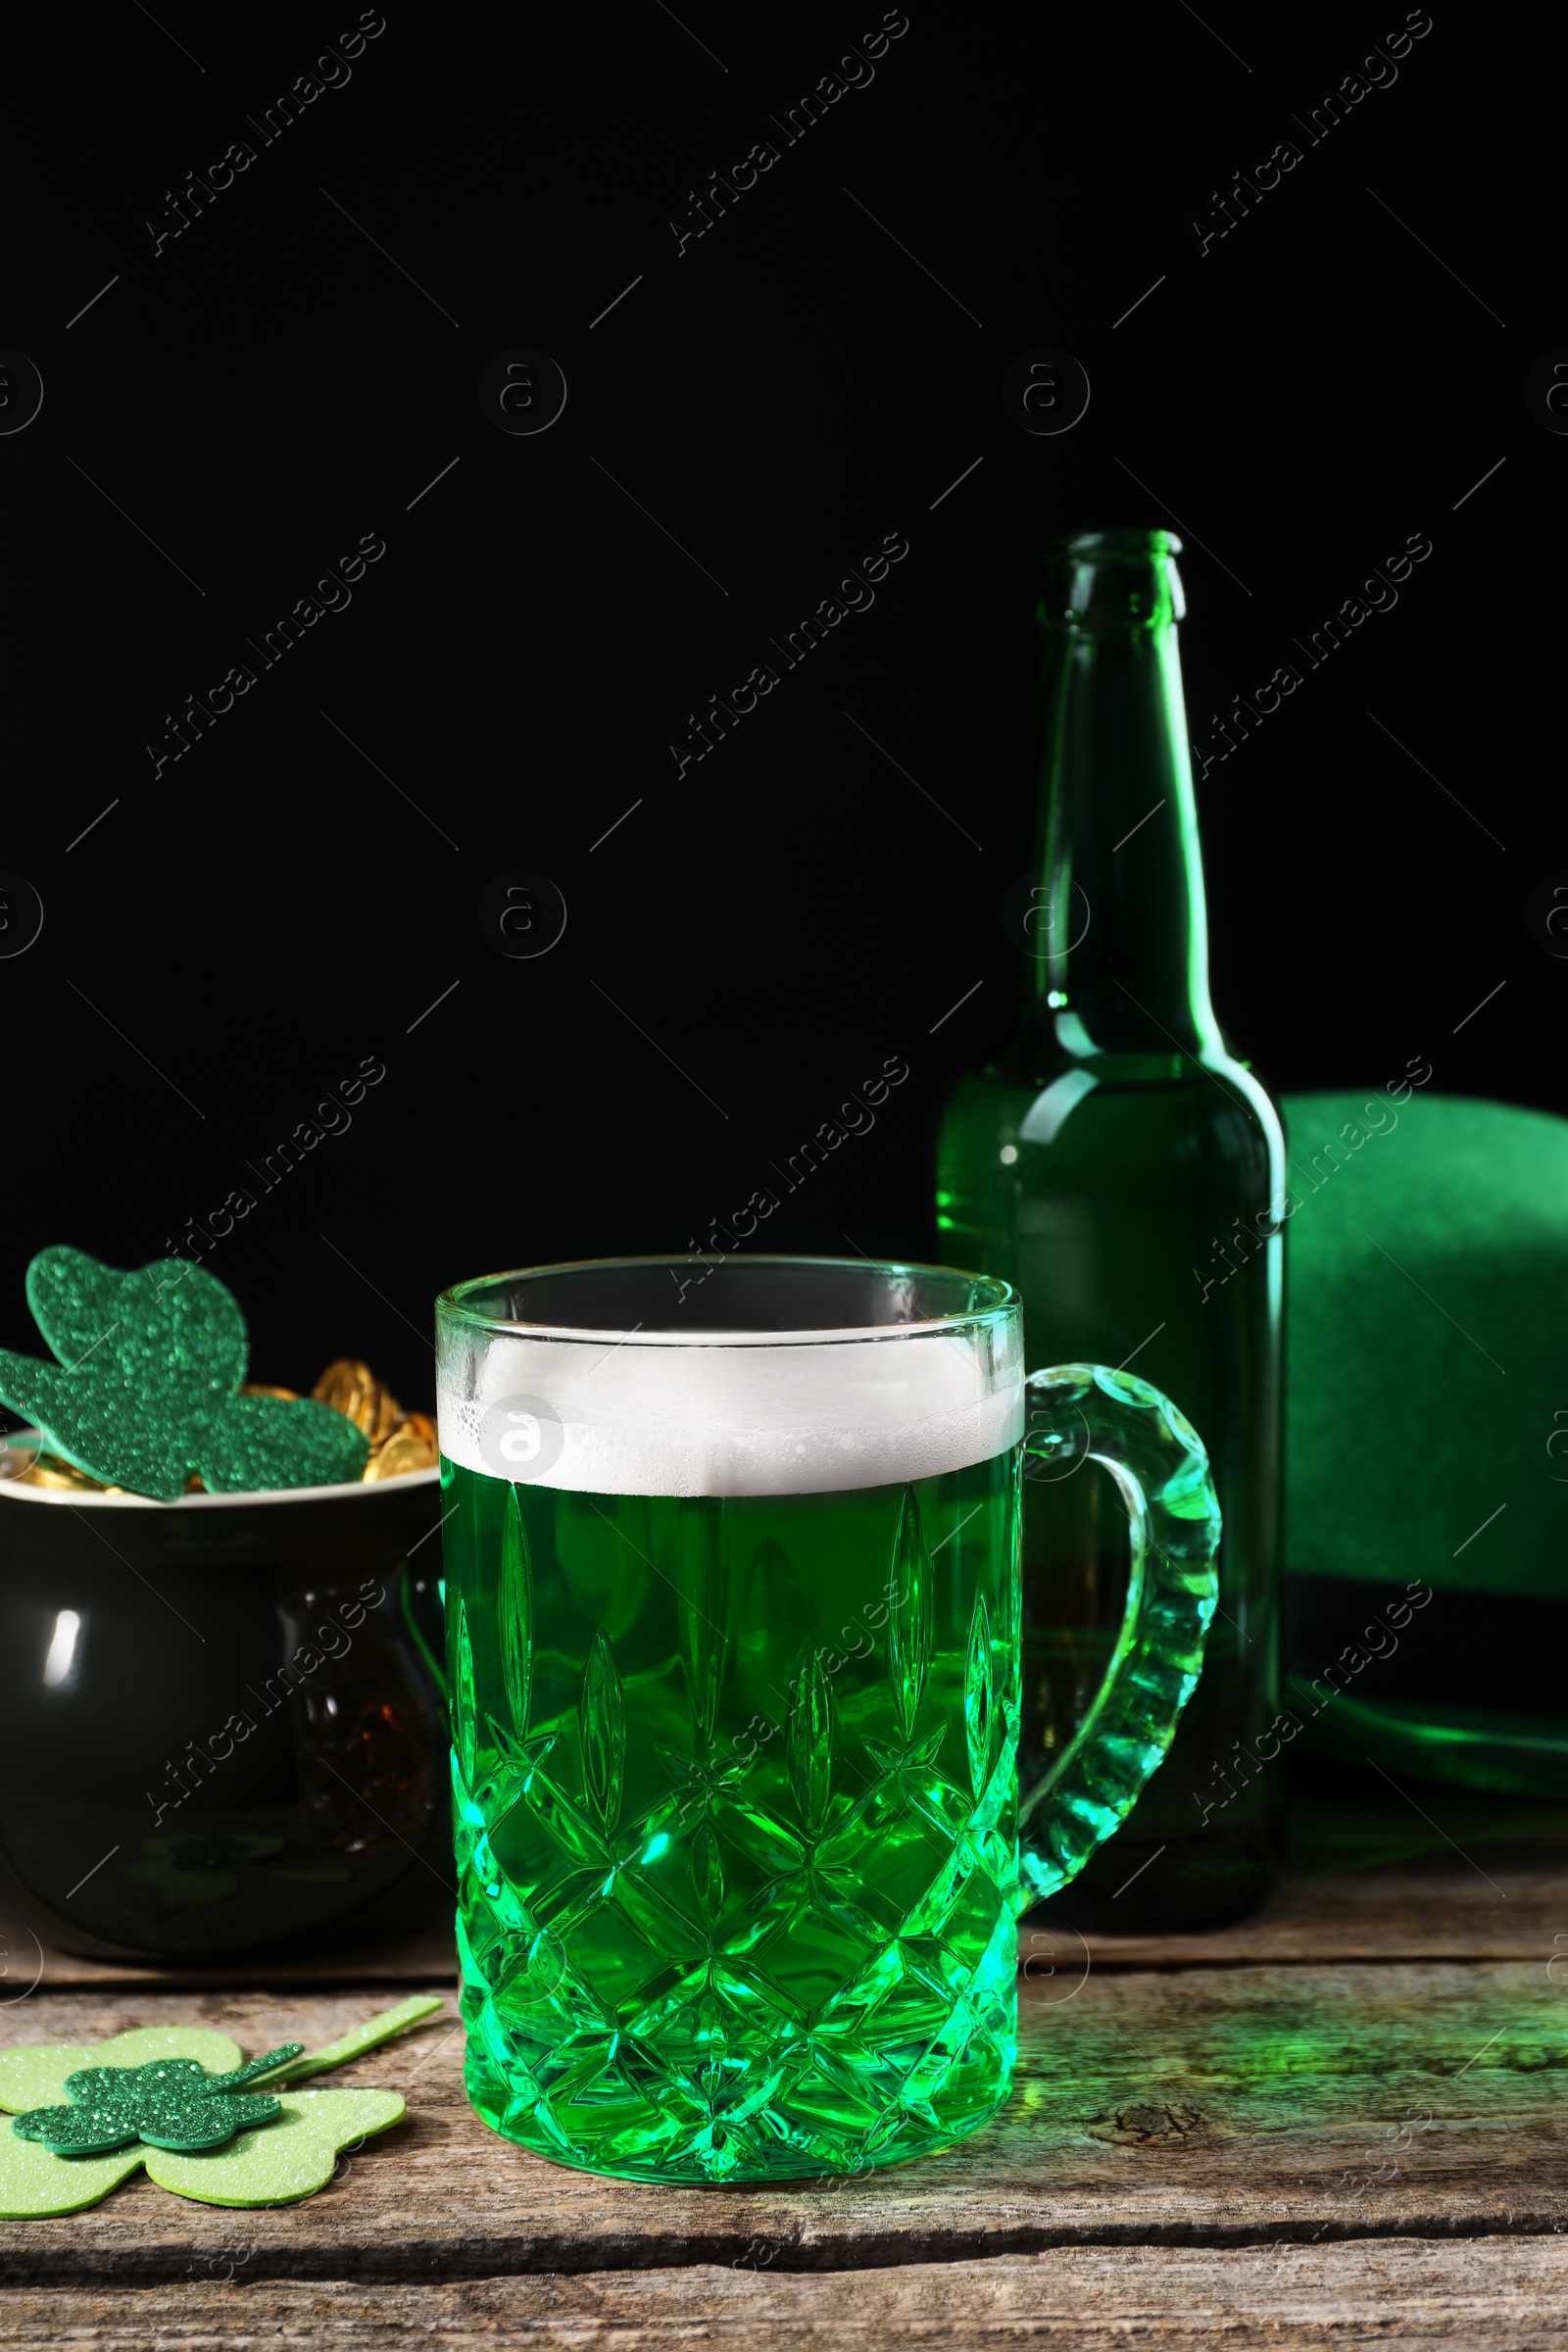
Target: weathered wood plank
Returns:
[[1481, 1904], [1501, 1898], [1461, 1876], [1195, 2106], [1508, 2295], [1380, 1873], [1429, 1915], [27, 1964]]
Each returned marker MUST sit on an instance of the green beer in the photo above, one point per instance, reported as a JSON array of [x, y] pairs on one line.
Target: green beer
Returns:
[[757, 1819], [733, 1609]]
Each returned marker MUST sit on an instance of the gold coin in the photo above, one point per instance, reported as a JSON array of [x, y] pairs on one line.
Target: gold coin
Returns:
[[259, 1387], [352, 1388], [388, 1413], [401, 1452], [50, 1471], [342, 1384], [19, 1454]]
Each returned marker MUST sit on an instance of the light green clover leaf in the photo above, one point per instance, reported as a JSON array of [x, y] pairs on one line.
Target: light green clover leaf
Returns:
[[290, 2158], [145, 1389], [35, 2184]]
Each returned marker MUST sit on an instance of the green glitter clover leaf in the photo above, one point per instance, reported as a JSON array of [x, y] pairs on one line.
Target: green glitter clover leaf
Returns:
[[272, 2161], [170, 2103], [143, 1392]]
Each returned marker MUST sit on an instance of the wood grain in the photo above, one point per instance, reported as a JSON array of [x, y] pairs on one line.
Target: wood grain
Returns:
[[1303, 1925], [1382, 1885], [1493, 1900], [25, 1964], [1507, 2295], [1206, 2107], [1478, 1904]]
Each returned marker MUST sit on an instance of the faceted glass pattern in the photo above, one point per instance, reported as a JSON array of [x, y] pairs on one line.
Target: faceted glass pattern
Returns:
[[735, 1784]]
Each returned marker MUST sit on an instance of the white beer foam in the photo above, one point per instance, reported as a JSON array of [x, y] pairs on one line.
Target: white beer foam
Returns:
[[741, 1413]]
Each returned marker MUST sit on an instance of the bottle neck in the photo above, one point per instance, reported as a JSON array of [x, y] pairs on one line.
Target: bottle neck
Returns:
[[1119, 955]]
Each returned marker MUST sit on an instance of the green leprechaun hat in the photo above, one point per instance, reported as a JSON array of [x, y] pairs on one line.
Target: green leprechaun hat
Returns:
[[1427, 1435]]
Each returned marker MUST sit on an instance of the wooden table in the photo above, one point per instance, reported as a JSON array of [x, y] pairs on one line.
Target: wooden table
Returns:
[[1335, 2125]]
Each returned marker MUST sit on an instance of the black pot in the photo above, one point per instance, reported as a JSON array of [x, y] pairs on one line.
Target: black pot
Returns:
[[222, 1726]]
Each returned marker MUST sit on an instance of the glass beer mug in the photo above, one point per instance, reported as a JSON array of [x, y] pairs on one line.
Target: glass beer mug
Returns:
[[732, 1595]]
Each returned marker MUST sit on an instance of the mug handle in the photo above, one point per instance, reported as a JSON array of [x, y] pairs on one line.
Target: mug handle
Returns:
[[1083, 1411]]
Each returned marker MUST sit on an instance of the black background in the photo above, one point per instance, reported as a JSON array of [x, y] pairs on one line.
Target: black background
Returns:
[[234, 936]]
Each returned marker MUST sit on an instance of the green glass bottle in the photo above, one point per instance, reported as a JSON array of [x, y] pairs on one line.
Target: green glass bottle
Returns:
[[1123, 1169]]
